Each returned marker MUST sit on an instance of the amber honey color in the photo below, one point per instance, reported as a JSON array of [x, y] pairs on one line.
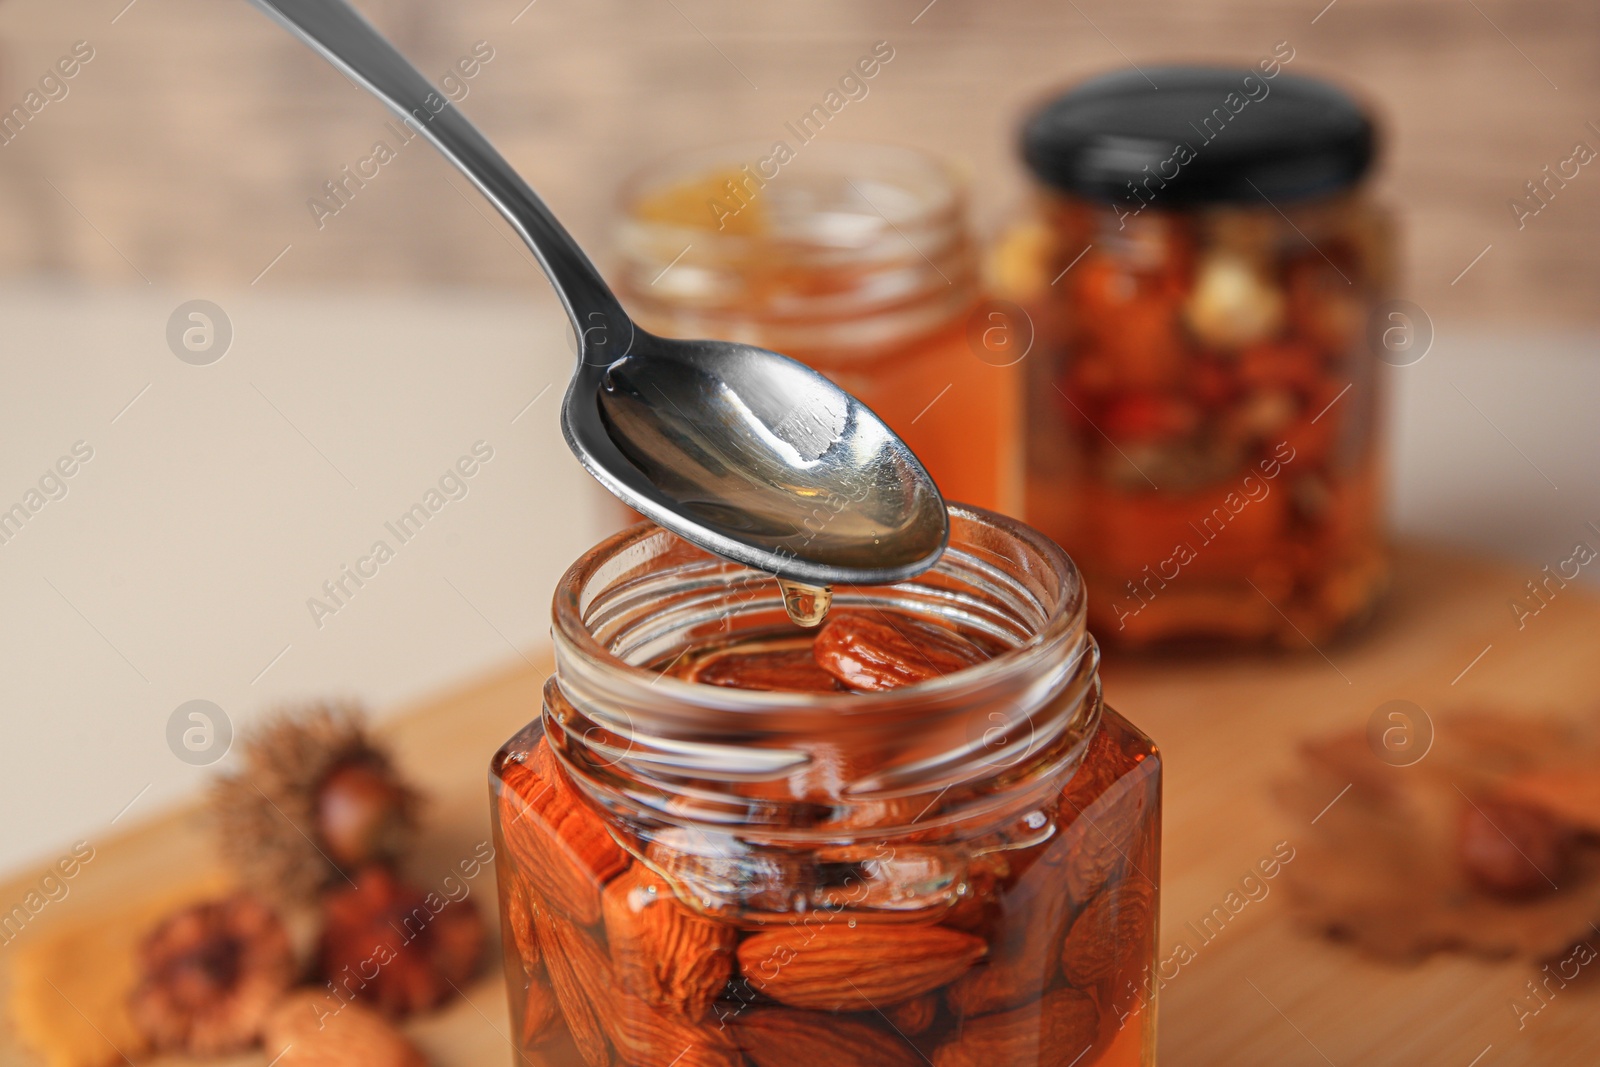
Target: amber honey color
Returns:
[[959, 414], [858, 263], [1203, 419], [876, 938]]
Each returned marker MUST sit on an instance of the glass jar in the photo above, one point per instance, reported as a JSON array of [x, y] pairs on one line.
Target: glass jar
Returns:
[[1202, 431], [855, 259], [960, 872]]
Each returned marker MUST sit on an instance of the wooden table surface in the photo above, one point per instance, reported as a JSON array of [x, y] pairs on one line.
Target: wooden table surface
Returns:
[[1260, 992]]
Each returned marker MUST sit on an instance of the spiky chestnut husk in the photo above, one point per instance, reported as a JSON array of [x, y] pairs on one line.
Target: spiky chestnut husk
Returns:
[[315, 799]]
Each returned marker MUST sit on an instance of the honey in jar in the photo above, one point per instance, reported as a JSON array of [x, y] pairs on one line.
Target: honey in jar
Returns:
[[855, 259], [914, 835], [1202, 401]]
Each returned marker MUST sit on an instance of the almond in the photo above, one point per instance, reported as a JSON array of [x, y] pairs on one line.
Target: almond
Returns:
[[520, 918], [887, 651], [915, 1016], [559, 841], [770, 666], [313, 1030], [1025, 949], [1054, 1031], [778, 1037], [1111, 932], [576, 964], [833, 966], [1018, 969], [1100, 765], [1104, 837], [647, 1036], [663, 951], [539, 1007], [642, 1034], [1012, 978]]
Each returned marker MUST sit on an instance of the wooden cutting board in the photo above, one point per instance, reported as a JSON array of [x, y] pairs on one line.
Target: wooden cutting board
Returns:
[[1258, 992]]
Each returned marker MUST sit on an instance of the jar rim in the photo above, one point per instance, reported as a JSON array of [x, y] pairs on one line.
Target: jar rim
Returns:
[[841, 252], [1063, 618], [974, 744], [946, 186]]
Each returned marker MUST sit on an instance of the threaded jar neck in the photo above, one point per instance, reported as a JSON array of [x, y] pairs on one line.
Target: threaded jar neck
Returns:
[[840, 247], [970, 750]]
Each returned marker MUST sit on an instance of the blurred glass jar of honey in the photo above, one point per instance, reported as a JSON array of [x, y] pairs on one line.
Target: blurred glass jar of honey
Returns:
[[854, 259], [1201, 273]]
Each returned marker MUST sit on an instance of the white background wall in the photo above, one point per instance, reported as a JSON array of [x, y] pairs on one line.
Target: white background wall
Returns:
[[179, 564]]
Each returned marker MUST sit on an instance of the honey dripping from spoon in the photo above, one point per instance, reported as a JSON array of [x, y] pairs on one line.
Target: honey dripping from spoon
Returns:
[[807, 605]]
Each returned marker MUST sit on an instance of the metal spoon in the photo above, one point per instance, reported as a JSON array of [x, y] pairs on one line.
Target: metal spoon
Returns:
[[744, 452]]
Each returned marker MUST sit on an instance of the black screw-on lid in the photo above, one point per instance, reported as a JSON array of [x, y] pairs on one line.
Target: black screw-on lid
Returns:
[[1243, 136]]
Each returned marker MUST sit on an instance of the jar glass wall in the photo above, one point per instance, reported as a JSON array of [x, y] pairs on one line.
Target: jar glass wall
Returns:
[[855, 259], [1203, 403], [964, 871]]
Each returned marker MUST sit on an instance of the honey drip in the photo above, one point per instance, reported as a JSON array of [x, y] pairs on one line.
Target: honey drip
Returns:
[[807, 605]]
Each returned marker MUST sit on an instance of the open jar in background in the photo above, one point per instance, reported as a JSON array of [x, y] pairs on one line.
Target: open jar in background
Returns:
[[715, 853], [1202, 421], [855, 259]]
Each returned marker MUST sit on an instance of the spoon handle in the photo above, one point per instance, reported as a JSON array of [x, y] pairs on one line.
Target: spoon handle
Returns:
[[349, 42]]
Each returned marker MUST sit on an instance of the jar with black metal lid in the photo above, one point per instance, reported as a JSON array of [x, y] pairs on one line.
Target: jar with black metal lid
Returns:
[[1202, 272]]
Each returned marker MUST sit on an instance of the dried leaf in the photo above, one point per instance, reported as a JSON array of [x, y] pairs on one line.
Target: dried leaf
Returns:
[[1381, 866]]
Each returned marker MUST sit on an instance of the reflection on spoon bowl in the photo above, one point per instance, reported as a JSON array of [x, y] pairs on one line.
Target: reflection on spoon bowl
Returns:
[[780, 467]]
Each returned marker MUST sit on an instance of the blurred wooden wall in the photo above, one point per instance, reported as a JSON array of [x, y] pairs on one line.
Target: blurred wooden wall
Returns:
[[185, 152]]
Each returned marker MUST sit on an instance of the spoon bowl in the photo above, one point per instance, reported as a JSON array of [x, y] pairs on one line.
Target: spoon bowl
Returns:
[[741, 451], [772, 464]]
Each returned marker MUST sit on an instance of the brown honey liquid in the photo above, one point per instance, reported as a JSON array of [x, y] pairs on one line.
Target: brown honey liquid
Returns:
[[1063, 907], [957, 412], [866, 930]]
